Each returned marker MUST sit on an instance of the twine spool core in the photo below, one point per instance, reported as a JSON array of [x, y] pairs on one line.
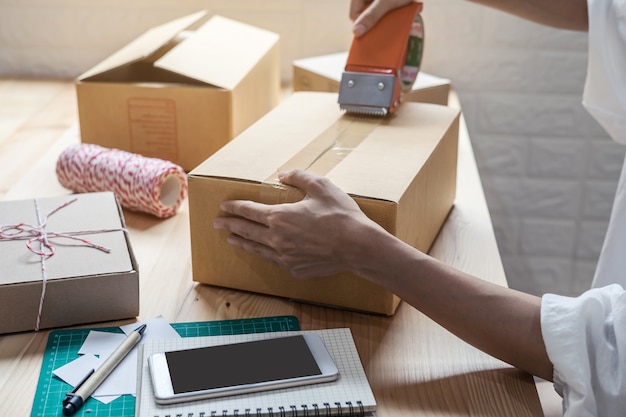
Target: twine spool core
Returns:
[[170, 191]]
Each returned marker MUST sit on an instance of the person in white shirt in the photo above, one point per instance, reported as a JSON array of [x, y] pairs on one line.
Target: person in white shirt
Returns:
[[578, 343]]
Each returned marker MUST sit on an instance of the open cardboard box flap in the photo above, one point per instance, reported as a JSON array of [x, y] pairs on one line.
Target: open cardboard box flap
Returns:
[[219, 53], [143, 46]]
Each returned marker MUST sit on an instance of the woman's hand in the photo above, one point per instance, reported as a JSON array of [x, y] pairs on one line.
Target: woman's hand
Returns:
[[366, 13], [318, 236]]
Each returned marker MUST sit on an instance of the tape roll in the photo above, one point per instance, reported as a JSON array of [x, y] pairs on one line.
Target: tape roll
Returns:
[[414, 54], [149, 185]]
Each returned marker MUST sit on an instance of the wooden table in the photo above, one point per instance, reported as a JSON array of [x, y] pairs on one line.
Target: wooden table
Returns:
[[415, 367]]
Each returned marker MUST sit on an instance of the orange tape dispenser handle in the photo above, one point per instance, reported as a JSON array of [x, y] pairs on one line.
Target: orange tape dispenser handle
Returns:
[[383, 63]]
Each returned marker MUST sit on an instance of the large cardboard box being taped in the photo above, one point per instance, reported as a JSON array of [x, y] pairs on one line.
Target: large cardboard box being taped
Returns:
[[88, 280], [401, 171], [180, 94], [323, 73]]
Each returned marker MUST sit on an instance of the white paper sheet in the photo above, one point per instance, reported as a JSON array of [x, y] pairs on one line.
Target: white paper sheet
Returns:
[[99, 345]]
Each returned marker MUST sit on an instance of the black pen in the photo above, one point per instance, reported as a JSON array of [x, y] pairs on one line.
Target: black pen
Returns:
[[75, 399]]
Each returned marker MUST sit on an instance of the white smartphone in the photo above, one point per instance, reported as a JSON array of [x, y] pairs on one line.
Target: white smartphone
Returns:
[[215, 371]]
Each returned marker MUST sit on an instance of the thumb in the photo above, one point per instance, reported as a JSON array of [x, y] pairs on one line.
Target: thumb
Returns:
[[298, 178], [372, 14], [369, 17], [311, 184]]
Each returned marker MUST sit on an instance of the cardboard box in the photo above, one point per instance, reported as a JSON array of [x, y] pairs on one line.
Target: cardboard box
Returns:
[[180, 94], [84, 284], [401, 171], [323, 73]]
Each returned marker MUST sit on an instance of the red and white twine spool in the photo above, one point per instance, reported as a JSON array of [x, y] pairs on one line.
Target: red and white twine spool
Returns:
[[150, 185]]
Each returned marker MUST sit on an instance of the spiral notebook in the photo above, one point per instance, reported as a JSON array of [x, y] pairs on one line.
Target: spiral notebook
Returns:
[[349, 395]]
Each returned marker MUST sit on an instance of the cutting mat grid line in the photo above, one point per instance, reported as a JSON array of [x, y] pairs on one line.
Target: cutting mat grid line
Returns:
[[63, 346]]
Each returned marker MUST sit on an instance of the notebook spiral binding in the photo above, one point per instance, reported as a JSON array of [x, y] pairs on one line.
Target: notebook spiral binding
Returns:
[[326, 410]]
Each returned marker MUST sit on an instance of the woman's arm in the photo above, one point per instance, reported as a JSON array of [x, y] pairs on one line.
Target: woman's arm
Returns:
[[497, 320], [563, 14], [326, 233]]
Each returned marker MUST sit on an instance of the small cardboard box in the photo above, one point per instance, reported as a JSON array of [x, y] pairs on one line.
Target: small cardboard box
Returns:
[[401, 171], [323, 73], [180, 94], [83, 283]]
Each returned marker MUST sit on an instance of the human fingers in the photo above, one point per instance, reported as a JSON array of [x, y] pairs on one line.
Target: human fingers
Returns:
[[250, 210], [276, 248], [246, 229], [320, 190], [296, 266], [373, 13], [357, 7], [311, 184], [253, 247]]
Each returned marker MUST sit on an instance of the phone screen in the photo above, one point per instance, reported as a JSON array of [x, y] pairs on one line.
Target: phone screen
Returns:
[[241, 363]]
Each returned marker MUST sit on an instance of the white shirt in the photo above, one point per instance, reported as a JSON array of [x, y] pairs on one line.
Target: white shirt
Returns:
[[605, 98], [586, 336]]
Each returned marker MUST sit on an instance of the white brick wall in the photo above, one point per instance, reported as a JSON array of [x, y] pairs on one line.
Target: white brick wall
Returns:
[[63, 38], [548, 170]]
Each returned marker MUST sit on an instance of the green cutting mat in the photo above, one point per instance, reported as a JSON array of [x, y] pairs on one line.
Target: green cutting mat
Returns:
[[63, 346]]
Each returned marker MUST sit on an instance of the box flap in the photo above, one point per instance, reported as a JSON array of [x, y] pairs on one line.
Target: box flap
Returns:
[[144, 45], [380, 161], [330, 66], [220, 53], [277, 137]]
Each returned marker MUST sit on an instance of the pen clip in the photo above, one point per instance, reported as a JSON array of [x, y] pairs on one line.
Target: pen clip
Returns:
[[70, 394]]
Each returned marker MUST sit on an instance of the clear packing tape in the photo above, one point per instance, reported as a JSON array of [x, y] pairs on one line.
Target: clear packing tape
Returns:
[[323, 153]]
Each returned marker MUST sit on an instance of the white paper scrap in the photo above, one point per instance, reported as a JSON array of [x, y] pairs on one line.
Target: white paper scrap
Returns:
[[99, 345]]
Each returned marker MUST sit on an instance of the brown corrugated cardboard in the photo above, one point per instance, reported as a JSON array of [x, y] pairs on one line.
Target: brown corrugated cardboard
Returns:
[[180, 94], [323, 73], [401, 170], [84, 284]]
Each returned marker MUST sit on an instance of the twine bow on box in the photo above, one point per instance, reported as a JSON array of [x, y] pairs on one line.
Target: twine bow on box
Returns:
[[37, 235]]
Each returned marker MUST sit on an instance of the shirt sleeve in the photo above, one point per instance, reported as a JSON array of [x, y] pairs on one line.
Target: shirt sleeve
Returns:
[[586, 341]]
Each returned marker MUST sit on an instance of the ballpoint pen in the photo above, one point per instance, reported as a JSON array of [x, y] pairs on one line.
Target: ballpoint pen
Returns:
[[75, 399]]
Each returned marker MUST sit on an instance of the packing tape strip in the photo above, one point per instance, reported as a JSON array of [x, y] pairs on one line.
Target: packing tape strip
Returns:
[[321, 155]]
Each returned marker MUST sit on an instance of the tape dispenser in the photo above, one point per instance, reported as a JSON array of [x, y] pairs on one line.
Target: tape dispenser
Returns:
[[383, 63]]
